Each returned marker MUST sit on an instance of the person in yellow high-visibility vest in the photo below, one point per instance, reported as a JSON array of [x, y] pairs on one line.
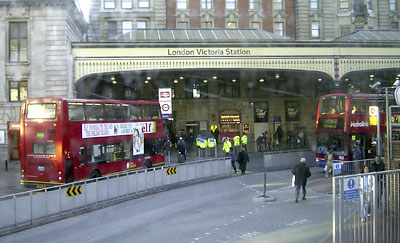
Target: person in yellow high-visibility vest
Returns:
[[198, 142], [236, 143], [203, 147], [227, 146], [212, 143], [244, 141]]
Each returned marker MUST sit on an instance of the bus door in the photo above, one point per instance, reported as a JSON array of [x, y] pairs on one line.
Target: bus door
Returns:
[[69, 170], [361, 140], [80, 169], [13, 140]]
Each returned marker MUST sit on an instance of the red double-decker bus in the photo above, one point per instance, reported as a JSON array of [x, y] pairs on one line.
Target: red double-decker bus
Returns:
[[64, 140], [343, 120]]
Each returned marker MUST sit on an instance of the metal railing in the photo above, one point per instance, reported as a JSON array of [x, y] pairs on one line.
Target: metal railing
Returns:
[[351, 167], [366, 207], [27, 209]]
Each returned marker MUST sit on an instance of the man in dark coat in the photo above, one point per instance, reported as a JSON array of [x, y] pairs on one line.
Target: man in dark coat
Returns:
[[301, 173], [242, 159], [181, 147], [377, 165]]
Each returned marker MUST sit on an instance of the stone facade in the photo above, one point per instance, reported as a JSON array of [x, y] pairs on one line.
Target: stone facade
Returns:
[[100, 17], [51, 27], [338, 18]]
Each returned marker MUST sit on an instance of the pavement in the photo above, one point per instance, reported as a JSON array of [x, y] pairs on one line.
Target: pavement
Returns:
[[226, 210]]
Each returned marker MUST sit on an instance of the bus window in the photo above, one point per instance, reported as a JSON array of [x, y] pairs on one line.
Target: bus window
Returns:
[[41, 111], [113, 152], [140, 112], [155, 110], [335, 141], [358, 106], [146, 112], [113, 112], [333, 105], [44, 148], [125, 111], [76, 112], [94, 112], [133, 112], [96, 153], [127, 149], [153, 146]]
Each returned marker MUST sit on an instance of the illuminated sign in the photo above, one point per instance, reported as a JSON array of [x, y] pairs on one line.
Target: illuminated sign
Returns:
[[40, 135], [331, 123], [229, 118], [373, 115], [359, 124]]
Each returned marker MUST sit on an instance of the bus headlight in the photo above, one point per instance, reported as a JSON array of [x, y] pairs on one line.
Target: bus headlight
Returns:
[[59, 178]]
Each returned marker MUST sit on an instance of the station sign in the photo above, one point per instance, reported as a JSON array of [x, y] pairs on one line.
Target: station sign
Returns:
[[165, 99], [373, 115]]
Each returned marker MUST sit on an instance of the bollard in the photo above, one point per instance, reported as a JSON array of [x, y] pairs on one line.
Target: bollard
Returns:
[[265, 182], [6, 164]]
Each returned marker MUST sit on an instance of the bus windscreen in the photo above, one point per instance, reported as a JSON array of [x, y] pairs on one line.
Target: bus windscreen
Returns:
[[333, 105], [41, 111]]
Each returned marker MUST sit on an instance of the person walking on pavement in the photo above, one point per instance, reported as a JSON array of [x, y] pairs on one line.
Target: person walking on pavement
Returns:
[[365, 194], [329, 162], [301, 172], [378, 166], [233, 159], [242, 159], [244, 141], [236, 143], [181, 145], [227, 146]]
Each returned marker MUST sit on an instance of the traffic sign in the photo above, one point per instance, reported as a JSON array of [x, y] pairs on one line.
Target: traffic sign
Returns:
[[350, 188], [171, 171], [73, 191]]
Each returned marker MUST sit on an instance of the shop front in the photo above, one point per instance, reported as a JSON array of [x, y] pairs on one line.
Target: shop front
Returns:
[[230, 125]]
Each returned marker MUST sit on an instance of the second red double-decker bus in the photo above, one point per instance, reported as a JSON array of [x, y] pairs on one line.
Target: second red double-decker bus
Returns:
[[64, 140], [343, 120]]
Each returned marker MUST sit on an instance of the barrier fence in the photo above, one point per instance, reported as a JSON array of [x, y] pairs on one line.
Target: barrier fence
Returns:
[[366, 207], [24, 210]]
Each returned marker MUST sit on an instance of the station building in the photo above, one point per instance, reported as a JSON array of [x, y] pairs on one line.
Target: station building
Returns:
[[239, 80]]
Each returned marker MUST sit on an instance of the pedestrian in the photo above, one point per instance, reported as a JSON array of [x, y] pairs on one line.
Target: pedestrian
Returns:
[[377, 165], [244, 141], [227, 146], [242, 159], [181, 146], [236, 142], [329, 162], [260, 141], [365, 194], [279, 132], [301, 172], [212, 145], [357, 152], [233, 159]]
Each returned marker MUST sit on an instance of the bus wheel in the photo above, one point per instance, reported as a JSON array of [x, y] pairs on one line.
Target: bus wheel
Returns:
[[147, 164], [94, 174]]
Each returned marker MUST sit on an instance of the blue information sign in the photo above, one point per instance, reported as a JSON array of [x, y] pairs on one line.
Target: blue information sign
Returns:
[[337, 168], [350, 188]]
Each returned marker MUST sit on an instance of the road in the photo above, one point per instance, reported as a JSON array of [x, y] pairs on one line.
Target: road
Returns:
[[225, 210]]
